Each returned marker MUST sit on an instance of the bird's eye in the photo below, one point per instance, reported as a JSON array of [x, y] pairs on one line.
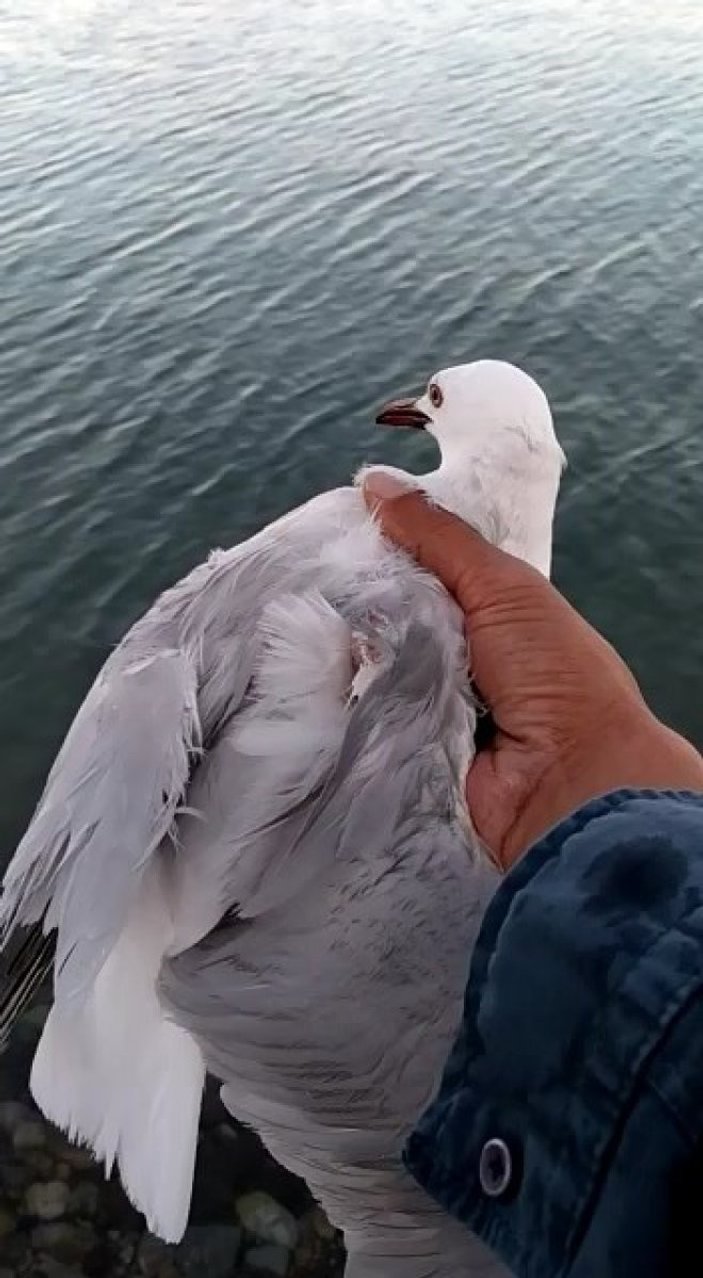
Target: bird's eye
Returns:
[[435, 394]]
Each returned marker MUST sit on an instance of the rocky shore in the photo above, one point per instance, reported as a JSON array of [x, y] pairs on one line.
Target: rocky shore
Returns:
[[60, 1218]]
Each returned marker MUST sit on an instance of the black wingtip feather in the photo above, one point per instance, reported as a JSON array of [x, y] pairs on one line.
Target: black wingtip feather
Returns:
[[21, 977]]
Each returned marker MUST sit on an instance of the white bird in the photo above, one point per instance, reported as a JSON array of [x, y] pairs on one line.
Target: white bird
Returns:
[[255, 851]]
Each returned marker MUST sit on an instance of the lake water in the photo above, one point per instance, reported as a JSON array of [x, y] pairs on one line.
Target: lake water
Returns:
[[229, 228]]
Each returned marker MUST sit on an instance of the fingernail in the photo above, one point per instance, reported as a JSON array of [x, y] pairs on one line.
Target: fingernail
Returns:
[[381, 485]]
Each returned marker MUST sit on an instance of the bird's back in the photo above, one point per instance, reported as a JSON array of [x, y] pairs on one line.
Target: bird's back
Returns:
[[328, 997], [264, 786]]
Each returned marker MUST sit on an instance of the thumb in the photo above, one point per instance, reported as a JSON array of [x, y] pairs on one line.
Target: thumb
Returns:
[[472, 570]]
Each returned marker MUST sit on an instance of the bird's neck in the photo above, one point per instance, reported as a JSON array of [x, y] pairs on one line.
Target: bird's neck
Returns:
[[512, 509], [392, 1229]]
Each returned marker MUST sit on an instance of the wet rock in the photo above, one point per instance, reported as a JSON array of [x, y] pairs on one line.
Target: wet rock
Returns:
[[99, 1262], [209, 1249], [268, 1259], [65, 1242], [76, 1156], [39, 1163], [29, 1134], [12, 1113], [47, 1200], [317, 1222], [320, 1247], [155, 1259], [48, 1267], [84, 1199], [15, 1177], [128, 1247], [267, 1220], [15, 1252], [226, 1133], [7, 1222]]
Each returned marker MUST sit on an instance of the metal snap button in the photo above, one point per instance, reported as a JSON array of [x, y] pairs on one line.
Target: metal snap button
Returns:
[[495, 1169]]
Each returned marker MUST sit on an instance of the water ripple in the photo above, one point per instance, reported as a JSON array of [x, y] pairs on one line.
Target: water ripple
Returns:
[[229, 230]]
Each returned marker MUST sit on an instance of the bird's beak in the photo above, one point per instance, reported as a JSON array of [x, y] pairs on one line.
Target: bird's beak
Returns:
[[402, 412]]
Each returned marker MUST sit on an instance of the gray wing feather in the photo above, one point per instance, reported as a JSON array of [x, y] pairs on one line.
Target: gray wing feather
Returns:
[[330, 1015], [110, 799], [167, 693], [389, 917]]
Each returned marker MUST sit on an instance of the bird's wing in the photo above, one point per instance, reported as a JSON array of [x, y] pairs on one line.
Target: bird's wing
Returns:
[[95, 864], [109, 801], [120, 779], [329, 1016]]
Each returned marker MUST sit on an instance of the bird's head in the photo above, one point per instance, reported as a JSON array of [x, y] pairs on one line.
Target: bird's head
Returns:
[[501, 460], [487, 409]]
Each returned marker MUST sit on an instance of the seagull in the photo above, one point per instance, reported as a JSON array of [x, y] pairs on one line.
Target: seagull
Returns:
[[255, 855]]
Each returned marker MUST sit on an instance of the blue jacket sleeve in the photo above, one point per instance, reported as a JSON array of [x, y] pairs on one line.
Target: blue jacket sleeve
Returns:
[[568, 1128]]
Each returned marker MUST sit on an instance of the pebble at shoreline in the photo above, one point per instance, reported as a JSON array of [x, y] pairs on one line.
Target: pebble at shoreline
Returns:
[[59, 1218]]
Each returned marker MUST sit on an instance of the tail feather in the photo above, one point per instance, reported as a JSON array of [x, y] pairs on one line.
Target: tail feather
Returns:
[[24, 974], [118, 1075]]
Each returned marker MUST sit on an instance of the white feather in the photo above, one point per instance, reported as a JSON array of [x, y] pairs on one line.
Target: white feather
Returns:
[[302, 680], [117, 1075]]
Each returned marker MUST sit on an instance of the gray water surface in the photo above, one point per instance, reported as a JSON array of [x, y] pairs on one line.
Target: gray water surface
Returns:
[[228, 229]]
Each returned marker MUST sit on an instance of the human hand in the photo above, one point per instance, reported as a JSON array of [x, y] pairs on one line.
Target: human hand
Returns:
[[570, 721]]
